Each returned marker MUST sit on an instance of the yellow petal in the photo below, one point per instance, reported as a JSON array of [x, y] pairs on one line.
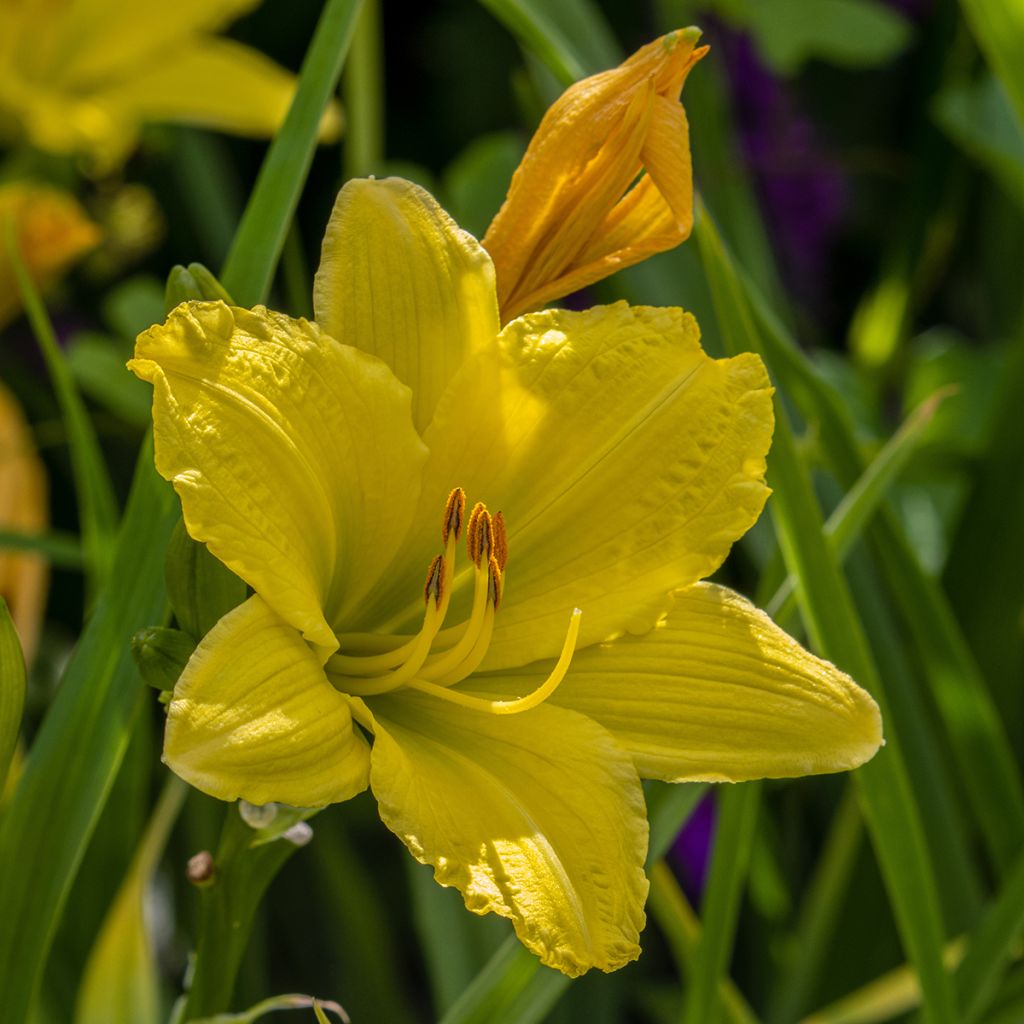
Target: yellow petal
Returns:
[[217, 83], [717, 692], [399, 279], [625, 460], [23, 507], [295, 457], [104, 39], [539, 818], [52, 232], [254, 717], [567, 221]]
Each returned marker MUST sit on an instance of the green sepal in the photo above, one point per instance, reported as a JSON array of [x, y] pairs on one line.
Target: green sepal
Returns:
[[194, 282], [161, 655], [201, 589]]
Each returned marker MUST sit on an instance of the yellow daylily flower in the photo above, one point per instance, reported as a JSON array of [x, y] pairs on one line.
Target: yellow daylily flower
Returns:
[[23, 576], [576, 211], [51, 231], [81, 76], [333, 464]]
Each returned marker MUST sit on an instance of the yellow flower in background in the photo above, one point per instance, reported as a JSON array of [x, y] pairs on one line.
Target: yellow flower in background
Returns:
[[595, 465], [23, 577], [82, 76], [52, 231], [576, 211]]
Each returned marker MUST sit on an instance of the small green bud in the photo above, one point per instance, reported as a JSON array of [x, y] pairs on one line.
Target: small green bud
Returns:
[[193, 282], [201, 589], [161, 655]]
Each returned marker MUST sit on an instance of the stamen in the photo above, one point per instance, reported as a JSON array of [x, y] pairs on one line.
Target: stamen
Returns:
[[432, 589], [511, 707], [479, 534], [495, 582], [454, 509], [500, 541], [441, 664]]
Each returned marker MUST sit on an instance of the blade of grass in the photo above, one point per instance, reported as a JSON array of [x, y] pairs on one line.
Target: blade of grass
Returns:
[[852, 515], [46, 826], [738, 808], [97, 506], [827, 608], [979, 742], [362, 93], [537, 28], [682, 930], [260, 237]]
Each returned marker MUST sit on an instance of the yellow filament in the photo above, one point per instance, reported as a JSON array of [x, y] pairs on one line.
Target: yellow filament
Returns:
[[370, 664], [367, 686], [441, 663], [472, 660], [510, 707]]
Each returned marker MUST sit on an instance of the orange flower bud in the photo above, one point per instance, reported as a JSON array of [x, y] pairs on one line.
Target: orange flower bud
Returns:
[[575, 211]]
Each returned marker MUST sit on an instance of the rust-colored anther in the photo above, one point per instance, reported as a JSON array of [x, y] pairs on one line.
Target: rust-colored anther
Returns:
[[500, 540], [479, 534], [435, 580], [454, 510], [495, 582]]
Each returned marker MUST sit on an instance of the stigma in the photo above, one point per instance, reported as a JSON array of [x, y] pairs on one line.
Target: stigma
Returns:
[[435, 662]]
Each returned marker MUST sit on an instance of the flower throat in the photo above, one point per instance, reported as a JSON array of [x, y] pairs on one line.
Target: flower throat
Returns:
[[433, 662]]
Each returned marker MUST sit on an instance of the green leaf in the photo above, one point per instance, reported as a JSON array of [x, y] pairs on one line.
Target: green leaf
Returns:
[[852, 515], [77, 751], [12, 690], [259, 240], [850, 33], [978, 117]]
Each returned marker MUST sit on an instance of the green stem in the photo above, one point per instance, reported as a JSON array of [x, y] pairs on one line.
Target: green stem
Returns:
[[362, 90]]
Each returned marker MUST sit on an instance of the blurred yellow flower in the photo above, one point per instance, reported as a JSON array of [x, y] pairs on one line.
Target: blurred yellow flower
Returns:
[[51, 231], [23, 577], [576, 211], [81, 76], [327, 465]]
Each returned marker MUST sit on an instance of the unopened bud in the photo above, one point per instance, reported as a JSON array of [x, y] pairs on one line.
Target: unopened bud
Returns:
[[161, 655], [201, 870]]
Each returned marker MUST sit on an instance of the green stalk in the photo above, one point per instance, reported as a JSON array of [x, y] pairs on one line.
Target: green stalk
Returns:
[[362, 92], [827, 608], [12, 690]]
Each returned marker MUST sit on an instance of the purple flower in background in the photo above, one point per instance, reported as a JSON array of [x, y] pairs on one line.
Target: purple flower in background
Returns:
[[803, 191], [691, 851]]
